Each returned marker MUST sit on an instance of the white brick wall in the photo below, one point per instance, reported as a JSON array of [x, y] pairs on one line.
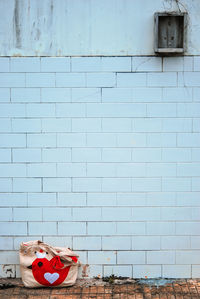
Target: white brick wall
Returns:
[[102, 154]]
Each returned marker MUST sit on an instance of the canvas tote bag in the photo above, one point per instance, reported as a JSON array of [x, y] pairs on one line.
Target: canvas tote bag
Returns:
[[43, 265]]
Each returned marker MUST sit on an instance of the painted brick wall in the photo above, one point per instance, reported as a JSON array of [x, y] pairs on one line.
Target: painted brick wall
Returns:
[[102, 154]]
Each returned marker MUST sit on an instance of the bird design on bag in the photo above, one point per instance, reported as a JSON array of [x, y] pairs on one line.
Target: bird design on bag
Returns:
[[49, 272]]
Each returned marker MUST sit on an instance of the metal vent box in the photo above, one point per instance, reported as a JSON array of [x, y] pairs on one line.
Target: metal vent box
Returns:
[[170, 31]]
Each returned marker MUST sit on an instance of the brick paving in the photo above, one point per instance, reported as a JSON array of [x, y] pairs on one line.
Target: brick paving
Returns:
[[178, 289]]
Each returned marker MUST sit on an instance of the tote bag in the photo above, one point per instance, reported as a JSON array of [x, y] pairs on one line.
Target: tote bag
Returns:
[[43, 265]]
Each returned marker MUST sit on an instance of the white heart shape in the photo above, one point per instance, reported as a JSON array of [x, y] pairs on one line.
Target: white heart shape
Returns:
[[51, 277]]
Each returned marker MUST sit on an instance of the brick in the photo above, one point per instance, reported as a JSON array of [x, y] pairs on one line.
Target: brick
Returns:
[[160, 228], [146, 155], [187, 199], [175, 242], [130, 228], [146, 64], [116, 184], [146, 243], [145, 271], [176, 154], [71, 140], [55, 95], [177, 271], [4, 95], [131, 199], [171, 64], [131, 139], [117, 95], [195, 154], [116, 243], [176, 213], [25, 64], [101, 257], [12, 80], [86, 214], [86, 125], [146, 213], [5, 185], [71, 170], [162, 79], [12, 170], [70, 80], [195, 184], [188, 110], [9, 257], [101, 199], [19, 240], [4, 64], [5, 214], [56, 184], [100, 79], [27, 185], [26, 125], [188, 169], [147, 184], [40, 80], [56, 155], [57, 214], [187, 257], [41, 170], [101, 140], [161, 199], [5, 125], [25, 95], [161, 140], [26, 155], [161, 169], [187, 228], [101, 170], [27, 214], [101, 228], [195, 242], [136, 257], [86, 95], [6, 243], [147, 125], [177, 94], [116, 155], [196, 125], [160, 257], [188, 63], [13, 228], [86, 64], [71, 228], [86, 155], [40, 110], [111, 64], [195, 271], [59, 241], [124, 271], [176, 184], [55, 64], [41, 199], [45, 228], [116, 214], [195, 213], [41, 140], [131, 79], [86, 185], [130, 170], [70, 110], [196, 94], [87, 243], [116, 110], [177, 125], [188, 79], [12, 110], [56, 125], [161, 110], [147, 94], [13, 199], [116, 125]]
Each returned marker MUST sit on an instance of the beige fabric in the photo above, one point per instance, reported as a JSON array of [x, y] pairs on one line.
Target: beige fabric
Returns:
[[44, 265]]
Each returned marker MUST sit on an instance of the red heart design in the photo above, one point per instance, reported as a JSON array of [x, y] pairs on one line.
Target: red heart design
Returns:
[[49, 273]]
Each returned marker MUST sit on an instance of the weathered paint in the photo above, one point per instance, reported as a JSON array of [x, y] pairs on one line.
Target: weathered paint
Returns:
[[88, 27]]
